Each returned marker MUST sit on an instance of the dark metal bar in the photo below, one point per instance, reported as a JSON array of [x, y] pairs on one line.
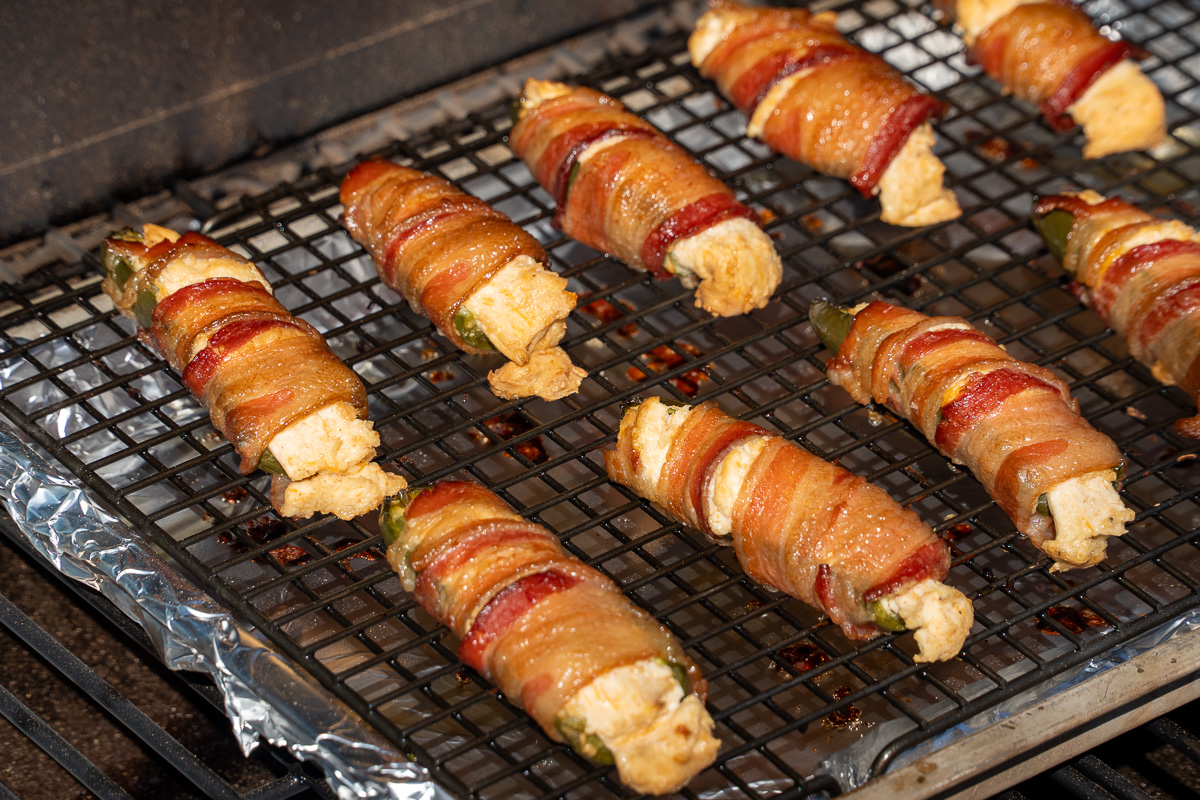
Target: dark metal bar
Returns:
[[59, 748], [114, 703]]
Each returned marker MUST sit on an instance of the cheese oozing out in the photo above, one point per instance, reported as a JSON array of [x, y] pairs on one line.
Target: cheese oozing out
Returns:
[[1086, 511], [1148, 233], [721, 496], [333, 439], [523, 309], [734, 262], [549, 373], [658, 736], [939, 615], [346, 495]]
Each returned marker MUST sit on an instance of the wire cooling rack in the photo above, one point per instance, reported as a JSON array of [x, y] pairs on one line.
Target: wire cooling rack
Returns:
[[786, 688]]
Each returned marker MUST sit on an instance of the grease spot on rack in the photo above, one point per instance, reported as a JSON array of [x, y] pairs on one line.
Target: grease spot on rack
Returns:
[[366, 555], [997, 149], [886, 265], [262, 530], [441, 375], [848, 717], [513, 423], [1076, 620], [955, 532], [235, 495], [801, 656], [605, 312], [663, 358]]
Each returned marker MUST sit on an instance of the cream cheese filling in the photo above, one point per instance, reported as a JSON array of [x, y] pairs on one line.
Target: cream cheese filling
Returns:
[[939, 615], [1086, 511], [656, 734]]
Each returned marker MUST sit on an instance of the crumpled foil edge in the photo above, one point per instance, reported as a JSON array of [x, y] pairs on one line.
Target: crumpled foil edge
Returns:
[[266, 696]]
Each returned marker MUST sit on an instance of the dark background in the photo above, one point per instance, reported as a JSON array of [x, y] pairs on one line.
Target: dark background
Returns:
[[105, 101]]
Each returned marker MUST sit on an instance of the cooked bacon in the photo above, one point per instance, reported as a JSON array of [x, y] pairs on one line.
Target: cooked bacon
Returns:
[[850, 113], [1012, 424], [260, 369], [537, 621], [799, 524], [1048, 54], [197, 311], [256, 377], [632, 198], [1141, 274], [432, 242]]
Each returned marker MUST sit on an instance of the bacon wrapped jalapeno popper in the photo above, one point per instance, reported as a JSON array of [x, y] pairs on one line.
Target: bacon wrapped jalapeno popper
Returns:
[[475, 273], [798, 523], [555, 635], [269, 381], [816, 97], [1047, 52], [1013, 424], [624, 188], [1140, 274]]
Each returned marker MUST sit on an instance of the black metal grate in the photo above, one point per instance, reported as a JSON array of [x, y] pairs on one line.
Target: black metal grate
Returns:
[[785, 687]]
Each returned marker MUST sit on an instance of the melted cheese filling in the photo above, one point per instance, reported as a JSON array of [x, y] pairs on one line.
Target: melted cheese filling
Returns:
[[519, 306], [332, 439], [1123, 110], [720, 497], [1086, 511], [655, 733], [187, 269], [910, 190], [346, 495], [658, 423], [940, 616]]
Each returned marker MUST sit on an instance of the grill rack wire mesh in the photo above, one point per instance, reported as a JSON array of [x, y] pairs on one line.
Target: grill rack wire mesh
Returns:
[[786, 688]]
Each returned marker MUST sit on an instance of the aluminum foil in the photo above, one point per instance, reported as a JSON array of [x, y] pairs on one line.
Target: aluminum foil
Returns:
[[266, 697]]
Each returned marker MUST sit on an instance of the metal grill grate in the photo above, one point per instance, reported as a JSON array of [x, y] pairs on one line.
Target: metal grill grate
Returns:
[[786, 688]]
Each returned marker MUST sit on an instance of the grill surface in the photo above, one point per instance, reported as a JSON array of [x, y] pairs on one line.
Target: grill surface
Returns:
[[786, 688]]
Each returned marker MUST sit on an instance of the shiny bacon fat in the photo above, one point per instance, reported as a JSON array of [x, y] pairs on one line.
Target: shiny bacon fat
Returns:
[[625, 189], [478, 276], [555, 635], [1050, 54], [270, 383], [1141, 275], [798, 523], [822, 100], [1013, 424]]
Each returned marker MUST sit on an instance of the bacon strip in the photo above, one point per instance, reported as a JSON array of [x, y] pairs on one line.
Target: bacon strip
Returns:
[[850, 113], [1048, 53], [1013, 424], [432, 242], [800, 524], [631, 198], [537, 621], [1143, 286], [260, 370]]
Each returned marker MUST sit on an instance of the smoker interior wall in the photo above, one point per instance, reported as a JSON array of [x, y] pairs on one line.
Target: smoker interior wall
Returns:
[[105, 100]]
